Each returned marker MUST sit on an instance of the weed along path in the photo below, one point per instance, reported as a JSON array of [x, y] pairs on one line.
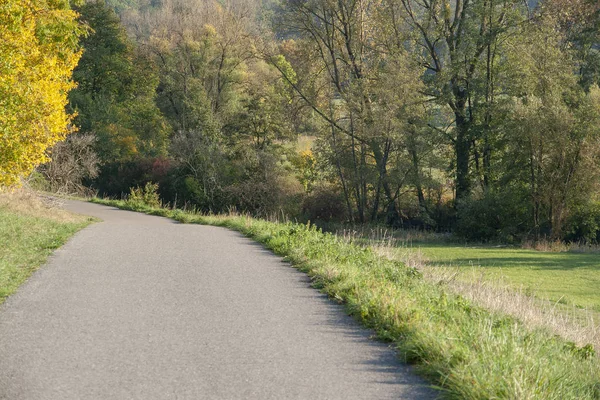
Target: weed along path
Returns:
[[141, 307]]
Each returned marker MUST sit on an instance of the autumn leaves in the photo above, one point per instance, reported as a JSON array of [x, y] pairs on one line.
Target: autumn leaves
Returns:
[[38, 51]]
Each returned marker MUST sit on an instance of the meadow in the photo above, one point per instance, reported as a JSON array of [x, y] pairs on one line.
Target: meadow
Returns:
[[567, 277]]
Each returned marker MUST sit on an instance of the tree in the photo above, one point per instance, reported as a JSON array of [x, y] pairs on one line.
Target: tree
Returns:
[[356, 76], [554, 126], [201, 49], [579, 22], [457, 43], [116, 91], [38, 51], [263, 118]]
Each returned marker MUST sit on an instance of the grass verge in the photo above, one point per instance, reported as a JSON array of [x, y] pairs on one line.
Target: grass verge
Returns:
[[30, 230], [468, 351], [522, 283]]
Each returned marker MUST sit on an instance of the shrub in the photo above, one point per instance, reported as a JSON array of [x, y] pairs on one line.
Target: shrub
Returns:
[[117, 178], [584, 224], [37, 181], [148, 195], [494, 216], [73, 161], [265, 198], [325, 203]]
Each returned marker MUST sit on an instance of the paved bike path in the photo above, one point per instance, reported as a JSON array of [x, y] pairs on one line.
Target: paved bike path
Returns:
[[141, 307]]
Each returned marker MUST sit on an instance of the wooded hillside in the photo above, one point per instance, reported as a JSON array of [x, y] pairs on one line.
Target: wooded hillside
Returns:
[[476, 116]]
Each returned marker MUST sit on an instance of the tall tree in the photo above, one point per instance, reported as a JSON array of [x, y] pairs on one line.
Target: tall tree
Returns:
[[38, 51], [456, 40], [349, 88], [553, 125], [116, 90], [579, 22]]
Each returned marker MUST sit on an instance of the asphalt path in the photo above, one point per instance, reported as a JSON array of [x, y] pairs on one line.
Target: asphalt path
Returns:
[[142, 307]]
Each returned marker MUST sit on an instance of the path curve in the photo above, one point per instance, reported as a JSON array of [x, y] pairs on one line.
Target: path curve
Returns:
[[141, 307]]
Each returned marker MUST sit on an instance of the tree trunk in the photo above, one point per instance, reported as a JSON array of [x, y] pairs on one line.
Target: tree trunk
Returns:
[[417, 177], [462, 146], [382, 174], [381, 163], [341, 174], [357, 175]]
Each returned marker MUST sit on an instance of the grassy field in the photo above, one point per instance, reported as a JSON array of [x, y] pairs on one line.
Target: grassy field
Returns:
[[467, 350], [565, 277], [30, 231]]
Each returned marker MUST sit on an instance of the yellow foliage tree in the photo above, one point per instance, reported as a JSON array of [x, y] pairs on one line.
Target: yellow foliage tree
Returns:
[[38, 51]]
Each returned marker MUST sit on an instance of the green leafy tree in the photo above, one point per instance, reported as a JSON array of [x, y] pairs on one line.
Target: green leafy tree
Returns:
[[457, 41], [351, 56], [116, 90], [553, 125], [579, 21]]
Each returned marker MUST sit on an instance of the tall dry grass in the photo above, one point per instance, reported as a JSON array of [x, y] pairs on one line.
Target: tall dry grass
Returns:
[[557, 246], [28, 202]]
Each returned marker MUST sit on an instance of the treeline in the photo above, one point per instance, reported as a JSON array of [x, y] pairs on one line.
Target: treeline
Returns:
[[182, 99], [476, 116]]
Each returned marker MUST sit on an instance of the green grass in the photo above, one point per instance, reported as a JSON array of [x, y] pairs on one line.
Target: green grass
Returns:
[[467, 351], [570, 278], [27, 239]]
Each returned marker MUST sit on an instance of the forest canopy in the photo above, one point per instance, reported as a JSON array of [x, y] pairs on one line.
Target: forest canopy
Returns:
[[480, 117]]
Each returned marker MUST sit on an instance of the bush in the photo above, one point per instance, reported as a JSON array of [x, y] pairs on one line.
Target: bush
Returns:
[[325, 203], [265, 198], [73, 161], [148, 195], [493, 217], [38, 182], [117, 178], [584, 224]]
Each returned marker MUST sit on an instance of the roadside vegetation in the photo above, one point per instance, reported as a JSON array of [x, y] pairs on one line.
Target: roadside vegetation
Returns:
[[468, 350], [514, 280], [564, 273], [497, 292], [30, 230]]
